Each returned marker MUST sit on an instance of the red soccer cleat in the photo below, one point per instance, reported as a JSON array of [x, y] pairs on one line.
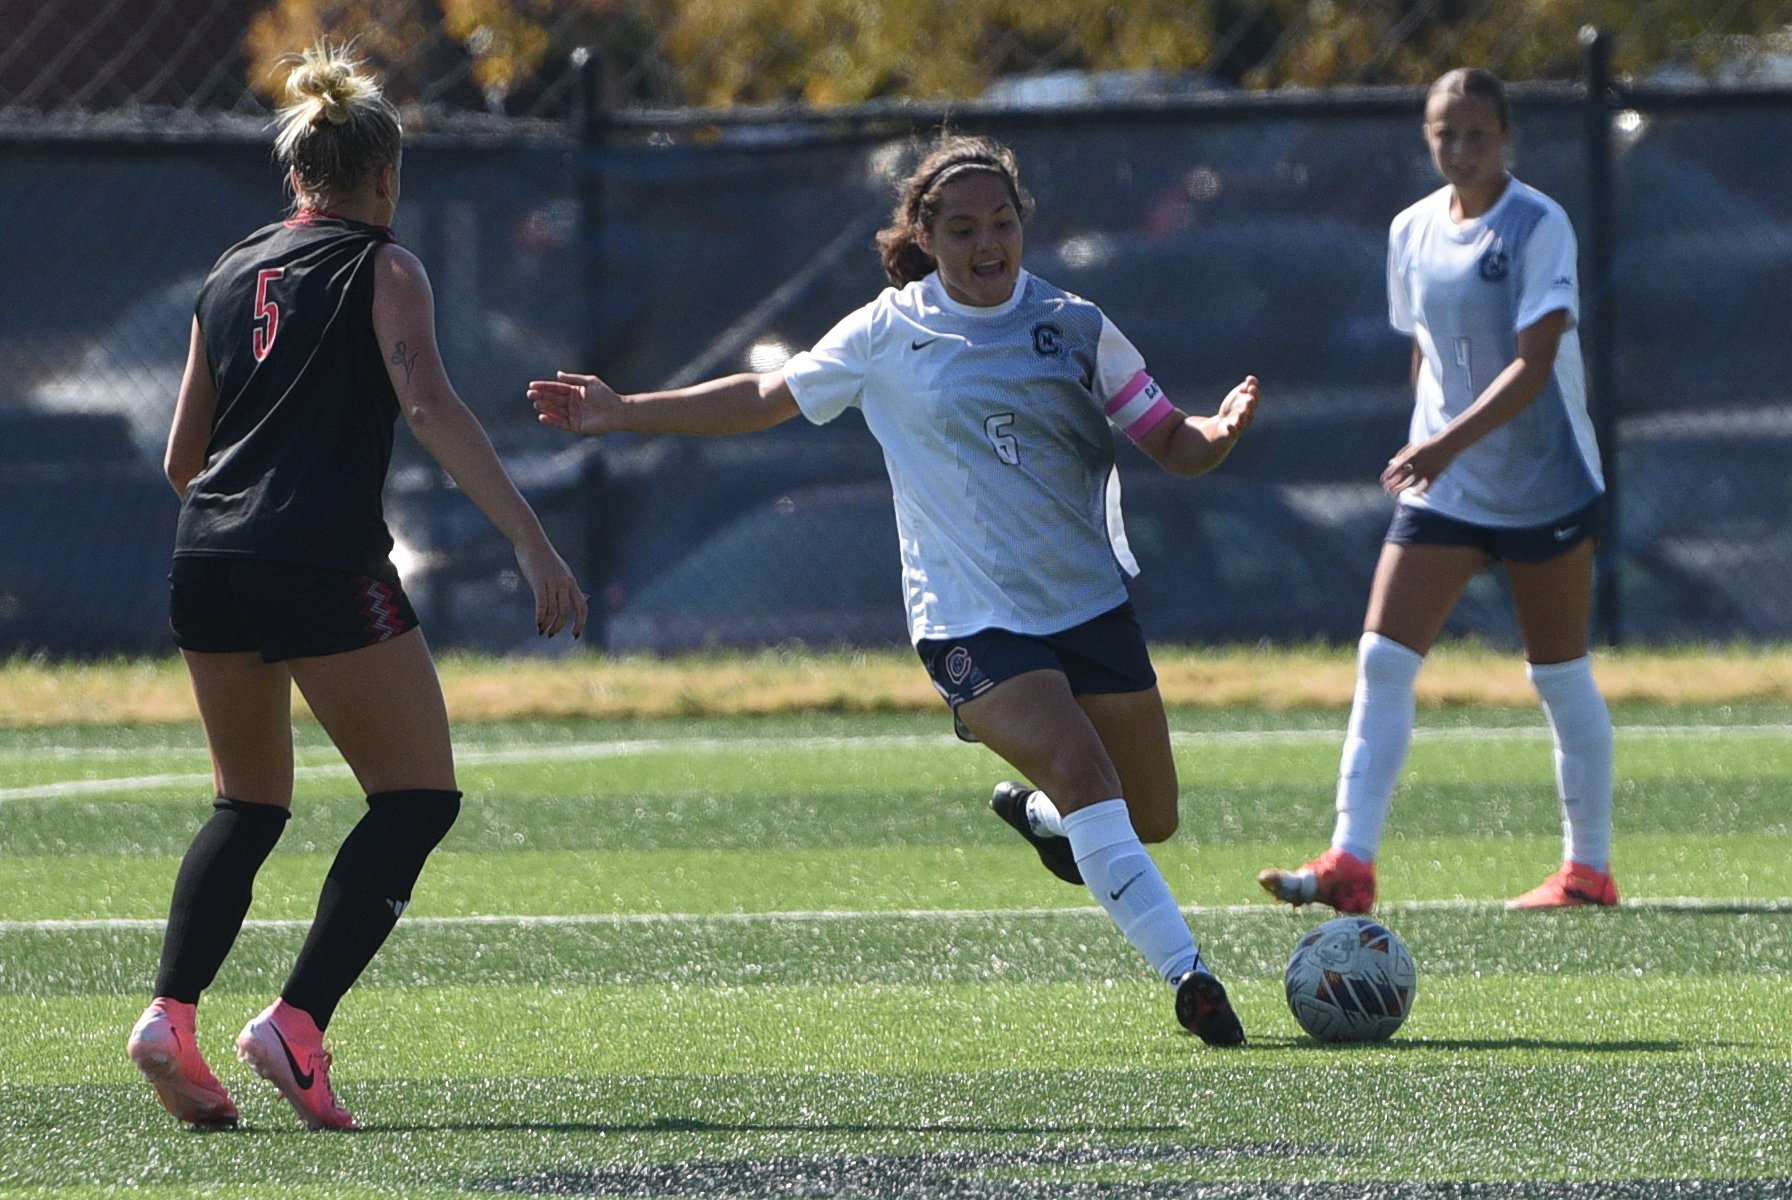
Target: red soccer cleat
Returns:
[[1576, 885], [1337, 878]]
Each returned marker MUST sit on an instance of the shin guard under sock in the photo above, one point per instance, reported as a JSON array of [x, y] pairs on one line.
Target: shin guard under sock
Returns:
[[212, 893], [1380, 733], [367, 888], [1582, 726], [1126, 882]]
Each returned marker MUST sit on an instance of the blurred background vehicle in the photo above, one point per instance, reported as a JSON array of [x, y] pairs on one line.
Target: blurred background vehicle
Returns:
[[1224, 231]]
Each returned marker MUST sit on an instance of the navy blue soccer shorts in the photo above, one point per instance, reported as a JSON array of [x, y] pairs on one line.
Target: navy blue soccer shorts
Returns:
[[1531, 543], [1104, 654]]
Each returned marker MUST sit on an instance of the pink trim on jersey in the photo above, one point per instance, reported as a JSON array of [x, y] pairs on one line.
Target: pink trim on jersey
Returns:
[[1139, 407], [309, 216]]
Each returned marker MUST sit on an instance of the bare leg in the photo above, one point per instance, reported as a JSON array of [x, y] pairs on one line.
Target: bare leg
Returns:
[[1136, 734], [382, 705], [1415, 589], [1034, 723], [246, 708], [1554, 603]]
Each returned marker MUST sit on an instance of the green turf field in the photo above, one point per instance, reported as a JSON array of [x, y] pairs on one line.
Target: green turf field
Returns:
[[797, 958]]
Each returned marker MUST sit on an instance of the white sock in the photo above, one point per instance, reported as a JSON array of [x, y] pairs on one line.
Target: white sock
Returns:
[[1582, 726], [1376, 743], [1127, 883], [1043, 815]]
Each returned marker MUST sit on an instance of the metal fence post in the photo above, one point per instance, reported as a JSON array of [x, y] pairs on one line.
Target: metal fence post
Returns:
[[1596, 325], [591, 121]]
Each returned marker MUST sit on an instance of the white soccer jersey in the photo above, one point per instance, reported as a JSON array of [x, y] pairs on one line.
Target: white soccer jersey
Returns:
[[1464, 292], [994, 427]]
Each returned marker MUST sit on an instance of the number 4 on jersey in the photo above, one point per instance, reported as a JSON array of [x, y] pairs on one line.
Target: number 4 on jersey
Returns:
[[262, 337]]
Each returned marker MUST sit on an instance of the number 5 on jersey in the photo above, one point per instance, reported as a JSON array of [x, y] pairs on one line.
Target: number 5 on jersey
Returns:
[[996, 430], [262, 337]]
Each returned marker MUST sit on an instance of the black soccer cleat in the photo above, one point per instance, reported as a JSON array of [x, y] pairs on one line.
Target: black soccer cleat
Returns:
[[1009, 802], [1204, 1011]]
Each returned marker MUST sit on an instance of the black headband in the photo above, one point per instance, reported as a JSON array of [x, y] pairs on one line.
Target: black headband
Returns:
[[982, 162]]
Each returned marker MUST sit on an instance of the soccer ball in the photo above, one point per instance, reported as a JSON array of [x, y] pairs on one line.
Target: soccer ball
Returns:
[[1350, 980]]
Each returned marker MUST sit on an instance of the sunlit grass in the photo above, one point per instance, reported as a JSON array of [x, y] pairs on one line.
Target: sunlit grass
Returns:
[[595, 992]]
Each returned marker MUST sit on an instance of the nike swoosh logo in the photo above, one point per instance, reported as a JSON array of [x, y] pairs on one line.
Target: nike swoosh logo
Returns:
[[1124, 886], [1563, 535], [305, 1078], [916, 345]]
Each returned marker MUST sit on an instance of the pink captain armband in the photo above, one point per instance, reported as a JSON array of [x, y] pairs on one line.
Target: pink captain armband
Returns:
[[1139, 407]]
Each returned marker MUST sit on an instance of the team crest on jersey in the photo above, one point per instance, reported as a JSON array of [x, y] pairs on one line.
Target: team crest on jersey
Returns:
[[958, 665], [1048, 340], [1495, 264]]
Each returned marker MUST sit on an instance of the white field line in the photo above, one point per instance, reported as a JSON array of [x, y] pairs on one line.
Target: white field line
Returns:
[[830, 916], [473, 756]]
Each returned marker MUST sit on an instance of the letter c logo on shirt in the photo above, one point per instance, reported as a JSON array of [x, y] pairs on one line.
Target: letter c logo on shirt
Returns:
[[1494, 263]]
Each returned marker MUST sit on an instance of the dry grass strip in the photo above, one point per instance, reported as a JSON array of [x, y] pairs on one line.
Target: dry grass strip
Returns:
[[153, 691]]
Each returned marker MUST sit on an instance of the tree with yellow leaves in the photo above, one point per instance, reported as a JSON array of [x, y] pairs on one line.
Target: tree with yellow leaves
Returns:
[[824, 52]]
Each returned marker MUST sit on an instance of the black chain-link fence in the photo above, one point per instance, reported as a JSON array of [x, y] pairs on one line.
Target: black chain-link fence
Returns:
[[138, 59], [1223, 233]]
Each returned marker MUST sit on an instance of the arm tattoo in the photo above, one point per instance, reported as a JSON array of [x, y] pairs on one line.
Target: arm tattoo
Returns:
[[401, 359]]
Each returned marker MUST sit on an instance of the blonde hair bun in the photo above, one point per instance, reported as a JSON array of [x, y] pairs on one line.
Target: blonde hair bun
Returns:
[[336, 125], [327, 82]]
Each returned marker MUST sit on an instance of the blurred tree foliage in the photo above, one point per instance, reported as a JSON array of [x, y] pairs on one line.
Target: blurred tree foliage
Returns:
[[721, 52]]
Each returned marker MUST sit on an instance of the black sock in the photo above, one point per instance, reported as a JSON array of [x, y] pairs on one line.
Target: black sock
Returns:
[[212, 894], [367, 888]]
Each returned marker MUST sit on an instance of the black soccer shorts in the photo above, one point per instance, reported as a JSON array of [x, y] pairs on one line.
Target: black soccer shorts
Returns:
[[221, 604]]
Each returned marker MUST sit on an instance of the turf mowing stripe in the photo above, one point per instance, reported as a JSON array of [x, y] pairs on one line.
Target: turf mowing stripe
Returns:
[[596, 751], [822, 916]]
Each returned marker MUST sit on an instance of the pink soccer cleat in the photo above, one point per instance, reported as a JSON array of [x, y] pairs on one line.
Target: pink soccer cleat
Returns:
[[1337, 878], [285, 1047], [1576, 885], [165, 1049]]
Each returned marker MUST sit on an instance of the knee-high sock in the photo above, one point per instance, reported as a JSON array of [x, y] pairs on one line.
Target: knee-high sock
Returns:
[[367, 888], [1127, 883], [1375, 746], [1582, 726], [212, 893]]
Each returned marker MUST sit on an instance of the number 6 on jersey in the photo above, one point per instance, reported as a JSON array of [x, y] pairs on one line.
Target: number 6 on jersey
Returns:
[[996, 430]]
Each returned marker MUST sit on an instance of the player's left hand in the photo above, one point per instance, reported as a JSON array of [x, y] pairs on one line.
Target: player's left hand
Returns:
[[1237, 411]]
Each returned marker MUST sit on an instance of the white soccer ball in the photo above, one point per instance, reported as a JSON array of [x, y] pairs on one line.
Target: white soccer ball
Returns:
[[1350, 980]]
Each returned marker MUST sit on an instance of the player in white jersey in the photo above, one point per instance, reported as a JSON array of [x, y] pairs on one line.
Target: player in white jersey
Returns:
[[1501, 464], [992, 394]]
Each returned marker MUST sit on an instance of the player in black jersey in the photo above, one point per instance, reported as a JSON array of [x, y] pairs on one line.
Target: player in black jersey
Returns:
[[310, 337]]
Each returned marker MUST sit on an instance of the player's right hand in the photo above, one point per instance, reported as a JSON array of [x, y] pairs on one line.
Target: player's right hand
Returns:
[[582, 404]]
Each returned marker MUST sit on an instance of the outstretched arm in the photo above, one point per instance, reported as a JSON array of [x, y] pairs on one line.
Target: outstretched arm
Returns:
[[585, 404], [404, 322], [1188, 445]]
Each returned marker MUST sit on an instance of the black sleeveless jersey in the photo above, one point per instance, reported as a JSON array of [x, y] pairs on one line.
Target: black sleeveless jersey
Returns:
[[302, 436]]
